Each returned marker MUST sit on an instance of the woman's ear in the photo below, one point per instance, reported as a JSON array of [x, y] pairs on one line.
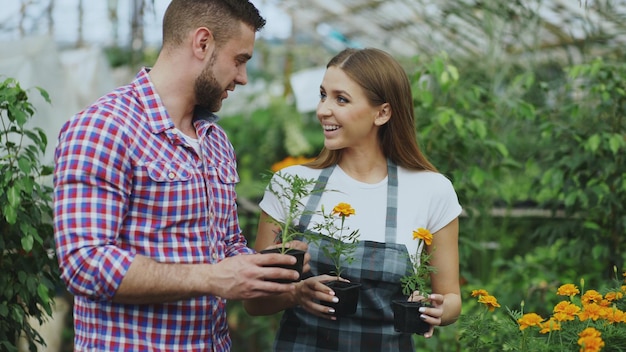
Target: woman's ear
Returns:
[[384, 114]]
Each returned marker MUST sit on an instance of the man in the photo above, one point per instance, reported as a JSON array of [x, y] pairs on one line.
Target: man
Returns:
[[145, 212]]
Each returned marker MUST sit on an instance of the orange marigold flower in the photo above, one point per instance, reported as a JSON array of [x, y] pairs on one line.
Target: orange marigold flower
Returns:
[[565, 311], [480, 292], [529, 319], [550, 325], [590, 332], [423, 234], [591, 296], [343, 209], [590, 340], [289, 161], [615, 315], [613, 296], [590, 311], [490, 301], [567, 290], [590, 344]]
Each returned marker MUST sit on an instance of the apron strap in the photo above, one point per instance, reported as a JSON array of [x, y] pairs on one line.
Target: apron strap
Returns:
[[315, 197], [392, 200]]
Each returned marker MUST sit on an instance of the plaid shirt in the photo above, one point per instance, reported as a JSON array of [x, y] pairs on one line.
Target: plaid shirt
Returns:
[[126, 183]]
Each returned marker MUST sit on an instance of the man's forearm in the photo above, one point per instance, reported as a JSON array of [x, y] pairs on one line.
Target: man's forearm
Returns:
[[148, 281]]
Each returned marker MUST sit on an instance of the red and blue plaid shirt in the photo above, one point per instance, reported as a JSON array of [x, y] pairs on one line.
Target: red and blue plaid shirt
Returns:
[[125, 183]]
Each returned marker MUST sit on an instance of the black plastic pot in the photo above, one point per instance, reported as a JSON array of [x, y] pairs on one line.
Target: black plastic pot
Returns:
[[299, 254], [406, 317], [348, 294]]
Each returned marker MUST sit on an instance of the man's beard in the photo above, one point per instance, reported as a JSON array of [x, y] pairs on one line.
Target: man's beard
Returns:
[[208, 90]]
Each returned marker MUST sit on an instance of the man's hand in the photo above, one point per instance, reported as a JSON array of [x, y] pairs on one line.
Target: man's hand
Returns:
[[247, 276]]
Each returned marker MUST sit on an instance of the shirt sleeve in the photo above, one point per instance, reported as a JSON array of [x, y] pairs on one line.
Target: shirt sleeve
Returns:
[[445, 205], [90, 197]]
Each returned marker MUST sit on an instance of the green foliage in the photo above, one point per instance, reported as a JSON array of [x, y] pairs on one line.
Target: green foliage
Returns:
[[264, 137], [583, 155], [341, 246], [28, 268], [419, 279], [454, 126], [290, 190]]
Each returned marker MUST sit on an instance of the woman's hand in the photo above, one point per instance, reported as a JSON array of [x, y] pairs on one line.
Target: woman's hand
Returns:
[[311, 291], [431, 315]]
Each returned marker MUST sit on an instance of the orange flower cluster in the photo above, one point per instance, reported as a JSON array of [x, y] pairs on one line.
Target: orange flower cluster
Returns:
[[485, 298], [289, 161], [592, 307]]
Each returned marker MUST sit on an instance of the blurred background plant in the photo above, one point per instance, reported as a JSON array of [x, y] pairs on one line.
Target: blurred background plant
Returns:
[[30, 275]]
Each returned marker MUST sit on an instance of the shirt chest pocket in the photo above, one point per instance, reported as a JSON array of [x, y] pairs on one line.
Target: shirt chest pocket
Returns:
[[161, 171], [159, 182], [224, 184]]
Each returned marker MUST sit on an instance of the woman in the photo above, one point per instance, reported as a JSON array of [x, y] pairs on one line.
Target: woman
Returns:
[[372, 158]]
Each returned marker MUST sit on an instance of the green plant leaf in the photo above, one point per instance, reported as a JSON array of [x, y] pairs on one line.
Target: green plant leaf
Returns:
[[27, 243], [13, 195]]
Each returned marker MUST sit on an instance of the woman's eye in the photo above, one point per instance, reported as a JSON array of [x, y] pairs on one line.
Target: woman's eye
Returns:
[[322, 96], [342, 100]]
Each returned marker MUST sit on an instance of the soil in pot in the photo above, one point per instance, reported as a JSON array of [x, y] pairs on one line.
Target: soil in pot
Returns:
[[299, 254], [406, 317], [348, 294]]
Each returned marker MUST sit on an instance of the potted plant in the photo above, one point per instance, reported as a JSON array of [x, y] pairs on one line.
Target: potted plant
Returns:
[[30, 273], [406, 312], [339, 247], [292, 189]]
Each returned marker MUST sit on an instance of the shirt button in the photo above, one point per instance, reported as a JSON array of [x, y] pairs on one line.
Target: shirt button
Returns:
[[171, 175]]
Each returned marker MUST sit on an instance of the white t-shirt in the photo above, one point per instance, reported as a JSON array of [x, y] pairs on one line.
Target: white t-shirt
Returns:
[[425, 199]]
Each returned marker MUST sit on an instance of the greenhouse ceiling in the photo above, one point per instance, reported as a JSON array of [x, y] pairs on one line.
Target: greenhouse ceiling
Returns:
[[465, 27]]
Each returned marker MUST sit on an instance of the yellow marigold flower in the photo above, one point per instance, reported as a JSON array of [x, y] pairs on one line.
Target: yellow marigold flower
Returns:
[[590, 332], [613, 296], [590, 340], [529, 319], [591, 296], [560, 316], [590, 344], [423, 234], [289, 161], [343, 209], [490, 301], [567, 290], [565, 311], [615, 315], [480, 292], [550, 325], [590, 311]]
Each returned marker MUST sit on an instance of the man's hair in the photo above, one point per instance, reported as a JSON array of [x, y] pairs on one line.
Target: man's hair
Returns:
[[221, 17]]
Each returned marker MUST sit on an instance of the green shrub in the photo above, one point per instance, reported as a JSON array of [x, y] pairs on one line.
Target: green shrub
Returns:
[[28, 268]]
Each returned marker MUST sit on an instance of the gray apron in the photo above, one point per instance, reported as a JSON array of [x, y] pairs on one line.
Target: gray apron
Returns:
[[378, 267]]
